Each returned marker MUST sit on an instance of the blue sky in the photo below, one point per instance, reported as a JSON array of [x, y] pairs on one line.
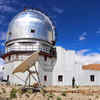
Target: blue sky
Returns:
[[77, 21]]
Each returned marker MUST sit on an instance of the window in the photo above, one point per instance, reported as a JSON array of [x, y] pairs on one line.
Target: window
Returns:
[[45, 78], [92, 78], [12, 57], [60, 78], [9, 58], [3, 68], [45, 58], [7, 78], [17, 56], [32, 31], [46, 49], [10, 33]]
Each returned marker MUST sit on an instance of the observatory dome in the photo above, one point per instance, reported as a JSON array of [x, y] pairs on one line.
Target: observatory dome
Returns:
[[31, 24]]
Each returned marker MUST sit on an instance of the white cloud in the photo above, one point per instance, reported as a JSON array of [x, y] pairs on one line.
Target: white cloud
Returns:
[[98, 30], [2, 19], [3, 36], [83, 36], [91, 58], [58, 10], [3, 2], [5, 5], [2, 44], [2, 61], [81, 52], [6, 8]]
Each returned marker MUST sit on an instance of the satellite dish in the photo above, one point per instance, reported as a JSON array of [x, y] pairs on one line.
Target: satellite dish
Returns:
[[26, 65]]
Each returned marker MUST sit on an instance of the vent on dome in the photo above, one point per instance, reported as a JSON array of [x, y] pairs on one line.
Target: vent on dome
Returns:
[[10, 33], [32, 31]]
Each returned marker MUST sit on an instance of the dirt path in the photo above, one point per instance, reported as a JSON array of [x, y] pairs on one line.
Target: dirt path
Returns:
[[51, 93]]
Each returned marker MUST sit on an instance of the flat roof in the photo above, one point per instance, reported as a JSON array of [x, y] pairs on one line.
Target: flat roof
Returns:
[[91, 67]]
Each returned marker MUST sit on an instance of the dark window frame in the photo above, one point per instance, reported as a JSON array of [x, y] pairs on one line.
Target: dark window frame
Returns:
[[9, 58], [45, 58], [92, 78], [60, 78], [45, 78], [17, 56], [10, 33], [32, 30]]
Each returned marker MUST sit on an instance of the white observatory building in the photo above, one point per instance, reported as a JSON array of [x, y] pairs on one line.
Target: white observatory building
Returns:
[[32, 31]]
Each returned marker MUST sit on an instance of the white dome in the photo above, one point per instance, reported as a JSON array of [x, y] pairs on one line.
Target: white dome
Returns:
[[31, 24]]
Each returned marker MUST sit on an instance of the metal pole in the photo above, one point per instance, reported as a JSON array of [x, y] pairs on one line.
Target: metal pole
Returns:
[[26, 80], [37, 75], [29, 79]]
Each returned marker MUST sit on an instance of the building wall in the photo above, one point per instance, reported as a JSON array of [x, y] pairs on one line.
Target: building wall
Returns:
[[66, 66], [43, 67], [17, 78], [83, 76]]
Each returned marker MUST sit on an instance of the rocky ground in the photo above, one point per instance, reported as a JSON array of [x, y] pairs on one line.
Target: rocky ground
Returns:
[[50, 93]]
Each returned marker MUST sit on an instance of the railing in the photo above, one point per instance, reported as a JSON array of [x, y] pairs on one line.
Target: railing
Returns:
[[26, 49]]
